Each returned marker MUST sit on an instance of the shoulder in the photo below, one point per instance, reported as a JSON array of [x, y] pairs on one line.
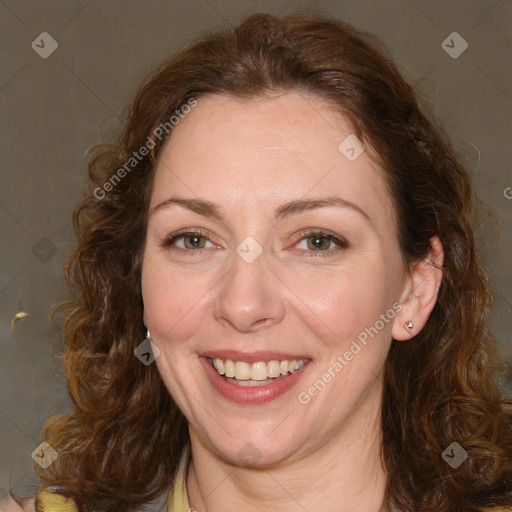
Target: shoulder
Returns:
[[47, 502], [9, 505], [53, 502]]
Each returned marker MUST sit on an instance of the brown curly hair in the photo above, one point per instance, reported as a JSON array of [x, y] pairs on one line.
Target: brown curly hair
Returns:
[[120, 447]]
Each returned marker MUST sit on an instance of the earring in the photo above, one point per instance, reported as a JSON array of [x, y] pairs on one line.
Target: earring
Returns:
[[148, 336], [409, 325]]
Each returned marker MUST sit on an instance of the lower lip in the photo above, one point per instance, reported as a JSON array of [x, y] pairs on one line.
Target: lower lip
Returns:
[[252, 394]]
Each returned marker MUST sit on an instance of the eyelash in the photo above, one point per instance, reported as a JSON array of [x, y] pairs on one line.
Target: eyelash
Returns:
[[340, 242], [167, 242]]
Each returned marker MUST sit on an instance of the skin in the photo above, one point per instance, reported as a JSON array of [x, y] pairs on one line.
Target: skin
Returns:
[[9, 505], [251, 157]]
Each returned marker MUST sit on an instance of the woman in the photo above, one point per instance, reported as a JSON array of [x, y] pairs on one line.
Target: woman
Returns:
[[293, 237]]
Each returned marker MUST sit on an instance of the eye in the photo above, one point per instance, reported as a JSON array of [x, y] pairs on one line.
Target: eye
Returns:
[[321, 241], [188, 240]]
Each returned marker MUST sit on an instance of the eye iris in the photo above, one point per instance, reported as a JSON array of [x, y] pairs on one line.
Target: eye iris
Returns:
[[318, 242], [194, 242]]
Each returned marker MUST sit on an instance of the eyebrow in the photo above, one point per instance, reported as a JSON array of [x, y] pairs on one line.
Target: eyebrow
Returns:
[[199, 206], [214, 210], [302, 205]]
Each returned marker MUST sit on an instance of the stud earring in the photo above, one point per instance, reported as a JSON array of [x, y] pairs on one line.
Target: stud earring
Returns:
[[409, 325]]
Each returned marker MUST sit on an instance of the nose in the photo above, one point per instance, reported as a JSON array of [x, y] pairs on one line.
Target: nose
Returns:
[[249, 297]]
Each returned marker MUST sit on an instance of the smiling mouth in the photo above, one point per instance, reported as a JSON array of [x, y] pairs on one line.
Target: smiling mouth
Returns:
[[258, 373]]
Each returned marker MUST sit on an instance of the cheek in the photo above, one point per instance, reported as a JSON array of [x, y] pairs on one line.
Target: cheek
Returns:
[[343, 303], [174, 302]]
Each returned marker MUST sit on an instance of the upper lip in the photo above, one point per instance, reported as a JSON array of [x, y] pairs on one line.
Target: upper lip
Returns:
[[252, 357]]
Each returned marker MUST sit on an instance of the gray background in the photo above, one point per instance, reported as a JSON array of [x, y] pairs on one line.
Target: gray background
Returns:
[[54, 109]]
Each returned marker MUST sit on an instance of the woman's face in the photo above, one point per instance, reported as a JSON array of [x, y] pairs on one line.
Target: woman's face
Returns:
[[270, 243]]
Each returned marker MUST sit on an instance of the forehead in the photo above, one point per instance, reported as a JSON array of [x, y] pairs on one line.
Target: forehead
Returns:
[[267, 151]]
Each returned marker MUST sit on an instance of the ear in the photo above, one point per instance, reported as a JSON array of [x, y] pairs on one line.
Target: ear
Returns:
[[420, 293]]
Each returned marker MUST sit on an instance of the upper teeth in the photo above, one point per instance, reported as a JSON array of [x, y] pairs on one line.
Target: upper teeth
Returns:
[[256, 371]]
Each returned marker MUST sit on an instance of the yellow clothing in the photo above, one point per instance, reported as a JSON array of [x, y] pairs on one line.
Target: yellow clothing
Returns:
[[178, 498]]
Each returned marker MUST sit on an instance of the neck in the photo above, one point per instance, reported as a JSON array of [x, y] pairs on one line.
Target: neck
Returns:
[[344, 474]]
